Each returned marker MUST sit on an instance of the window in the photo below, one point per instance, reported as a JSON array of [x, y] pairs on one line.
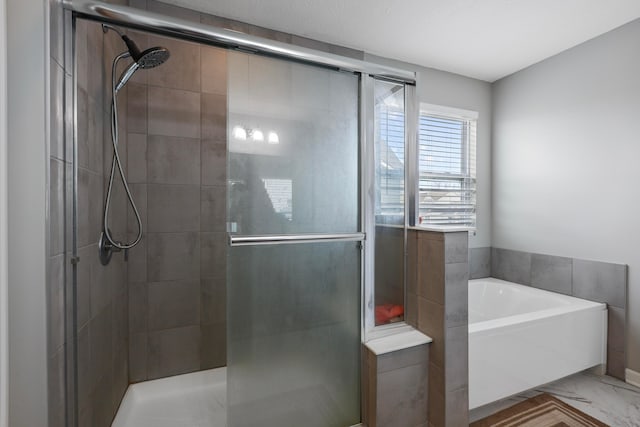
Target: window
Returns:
[[280, 193], [389, 152], [447, 166]]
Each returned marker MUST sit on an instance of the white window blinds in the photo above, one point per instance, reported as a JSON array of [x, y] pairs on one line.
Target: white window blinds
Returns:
[[447, 168]]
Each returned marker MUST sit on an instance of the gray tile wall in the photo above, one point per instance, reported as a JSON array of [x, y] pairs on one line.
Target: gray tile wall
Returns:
[[177, 162], [395, 387], [592, 280], [101, 304], [389, 265], [438, 262], [102, 297], [479, 263]]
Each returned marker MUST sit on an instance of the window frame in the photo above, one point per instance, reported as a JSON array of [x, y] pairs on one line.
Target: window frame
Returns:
[[450, 113]]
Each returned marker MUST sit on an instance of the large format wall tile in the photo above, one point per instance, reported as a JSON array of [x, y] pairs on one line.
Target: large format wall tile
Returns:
[[172, 160], [182, 70], [214, 117], [214, 255], [213, 205], [600, 281], [214, 345], [173, 304], [137, 110], [214, 70], [213, 157], [173, 208], [395, 387], [552, 273], [173, 351], [513, 266], [173, 256], [174, 112], [137, 158], [456, 287], [479, 263]]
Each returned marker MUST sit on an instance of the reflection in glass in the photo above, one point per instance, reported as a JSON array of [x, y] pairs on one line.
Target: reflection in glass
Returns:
[[293, 148]]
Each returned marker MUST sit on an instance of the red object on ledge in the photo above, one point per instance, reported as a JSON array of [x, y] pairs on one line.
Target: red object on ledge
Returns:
[[388, 313]]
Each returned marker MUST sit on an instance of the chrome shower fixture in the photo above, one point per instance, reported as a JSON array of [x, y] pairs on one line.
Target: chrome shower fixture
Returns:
[[149, 58]]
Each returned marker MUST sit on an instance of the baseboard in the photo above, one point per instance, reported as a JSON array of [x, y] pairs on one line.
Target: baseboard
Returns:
[[632, 377]]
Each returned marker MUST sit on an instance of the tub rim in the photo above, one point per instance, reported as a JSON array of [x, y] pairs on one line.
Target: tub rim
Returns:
[[520, 319]]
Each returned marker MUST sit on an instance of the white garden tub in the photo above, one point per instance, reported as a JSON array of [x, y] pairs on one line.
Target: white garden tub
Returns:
[[521, 337]]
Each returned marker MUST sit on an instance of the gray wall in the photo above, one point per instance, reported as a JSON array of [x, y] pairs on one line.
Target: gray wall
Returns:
[[27, 208], [565, 149], [452, 90]]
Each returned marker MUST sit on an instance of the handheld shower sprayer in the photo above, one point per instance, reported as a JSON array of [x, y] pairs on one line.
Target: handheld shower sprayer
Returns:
[[149, 58], [146, 59]]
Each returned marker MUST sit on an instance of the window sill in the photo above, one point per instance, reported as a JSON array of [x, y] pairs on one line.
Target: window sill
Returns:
[[443, 228], [400, 339]]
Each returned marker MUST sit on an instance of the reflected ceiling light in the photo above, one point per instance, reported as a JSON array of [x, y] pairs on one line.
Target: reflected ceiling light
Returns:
[[273, 138], [243, 133], [257, 135], [239, 133]]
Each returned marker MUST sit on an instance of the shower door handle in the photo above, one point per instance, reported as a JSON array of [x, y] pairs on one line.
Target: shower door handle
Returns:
[[235, 240]]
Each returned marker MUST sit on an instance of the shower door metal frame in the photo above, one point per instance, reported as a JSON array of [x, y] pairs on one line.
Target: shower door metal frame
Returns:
[[202, 33]]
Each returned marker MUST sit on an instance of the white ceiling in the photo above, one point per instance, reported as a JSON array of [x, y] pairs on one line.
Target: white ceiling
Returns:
[[484, 39]]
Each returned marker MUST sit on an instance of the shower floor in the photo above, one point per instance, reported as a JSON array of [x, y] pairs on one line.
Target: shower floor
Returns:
[[195, 400]]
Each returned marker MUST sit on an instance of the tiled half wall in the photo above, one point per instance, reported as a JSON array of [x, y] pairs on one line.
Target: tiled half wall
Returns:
[[591, 280]]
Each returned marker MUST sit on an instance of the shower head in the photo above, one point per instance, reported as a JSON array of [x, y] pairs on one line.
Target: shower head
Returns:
[[149, 58]]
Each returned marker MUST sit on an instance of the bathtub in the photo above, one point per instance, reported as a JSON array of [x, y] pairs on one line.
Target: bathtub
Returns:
[[522, 337]]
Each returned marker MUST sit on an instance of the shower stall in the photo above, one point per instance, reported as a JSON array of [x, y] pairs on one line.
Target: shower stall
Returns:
[[224, 204]]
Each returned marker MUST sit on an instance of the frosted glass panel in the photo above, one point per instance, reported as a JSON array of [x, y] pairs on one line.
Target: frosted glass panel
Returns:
[[294, 335], [293, 147]]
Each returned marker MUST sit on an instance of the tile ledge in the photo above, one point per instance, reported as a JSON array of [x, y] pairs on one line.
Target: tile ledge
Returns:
[[402, 338], [442, 228]]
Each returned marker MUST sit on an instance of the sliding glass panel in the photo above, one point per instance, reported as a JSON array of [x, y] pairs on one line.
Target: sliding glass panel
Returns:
[[294, 335], [293, 309], [293, 148]]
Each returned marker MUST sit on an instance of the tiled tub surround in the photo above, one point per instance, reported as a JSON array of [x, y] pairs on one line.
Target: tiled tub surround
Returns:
[[591, 280], [177, 131], [521, 337], [438, 281]]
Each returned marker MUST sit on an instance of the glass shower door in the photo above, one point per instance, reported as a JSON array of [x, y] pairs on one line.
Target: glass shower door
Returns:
[[293, 292]]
